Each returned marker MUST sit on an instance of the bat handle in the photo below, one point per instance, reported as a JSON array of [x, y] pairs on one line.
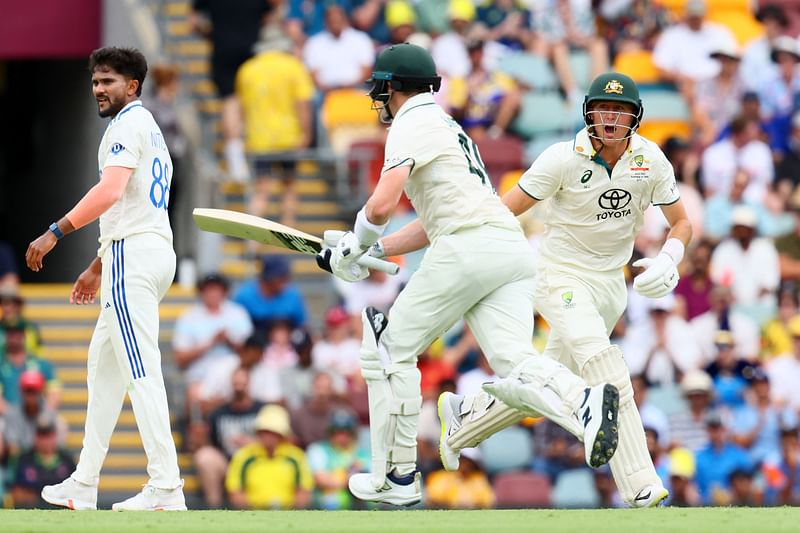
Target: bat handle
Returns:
[[379, 264]]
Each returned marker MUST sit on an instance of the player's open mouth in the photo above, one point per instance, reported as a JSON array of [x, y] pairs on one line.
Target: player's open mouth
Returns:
[[609, 130]]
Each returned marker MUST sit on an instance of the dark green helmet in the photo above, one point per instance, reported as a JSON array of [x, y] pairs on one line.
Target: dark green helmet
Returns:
[[407, 66], [614, 87]]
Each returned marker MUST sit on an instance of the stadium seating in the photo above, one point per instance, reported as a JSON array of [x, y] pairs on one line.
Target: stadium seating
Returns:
[[530, 71], [662, 104], [542, 113], [659, 131], [521, 489], [541, 142], [500, 155], [574, 489], [347, 116], [494, 450], [638, 65], [580, 63]]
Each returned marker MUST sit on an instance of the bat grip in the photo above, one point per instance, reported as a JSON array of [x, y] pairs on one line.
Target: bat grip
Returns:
[[374, 263]]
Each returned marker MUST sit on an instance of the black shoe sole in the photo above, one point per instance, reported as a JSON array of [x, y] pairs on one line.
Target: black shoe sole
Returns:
[[607, 438]]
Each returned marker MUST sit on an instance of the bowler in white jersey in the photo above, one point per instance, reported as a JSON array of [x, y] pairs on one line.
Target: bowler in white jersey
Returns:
[[478, 266], [134, 267]]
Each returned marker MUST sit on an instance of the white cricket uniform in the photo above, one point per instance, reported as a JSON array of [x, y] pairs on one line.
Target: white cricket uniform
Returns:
[[138, 268], [478, 264], [592, 219]]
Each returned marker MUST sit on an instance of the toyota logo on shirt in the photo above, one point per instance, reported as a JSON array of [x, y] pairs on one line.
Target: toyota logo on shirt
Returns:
[[614, 199]]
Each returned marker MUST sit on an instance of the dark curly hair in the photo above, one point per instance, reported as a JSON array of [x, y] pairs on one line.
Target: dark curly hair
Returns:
[[129, 62]]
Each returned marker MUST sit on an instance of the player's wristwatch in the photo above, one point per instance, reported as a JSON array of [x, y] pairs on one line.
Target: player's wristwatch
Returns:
[[56, 231]]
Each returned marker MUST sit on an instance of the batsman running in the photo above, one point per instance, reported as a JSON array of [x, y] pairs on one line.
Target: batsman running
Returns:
[[599, 184], [478, 266]]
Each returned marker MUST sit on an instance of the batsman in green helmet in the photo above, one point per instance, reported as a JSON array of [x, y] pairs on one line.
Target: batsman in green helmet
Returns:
[[599, 185], [478, 267]]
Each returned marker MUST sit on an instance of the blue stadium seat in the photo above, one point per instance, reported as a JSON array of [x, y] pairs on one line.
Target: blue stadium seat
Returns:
[[529, 70], [662, 104], [581, 65], [543, 113], [541, 142], [574, 489], [511, 449], [668, 398]]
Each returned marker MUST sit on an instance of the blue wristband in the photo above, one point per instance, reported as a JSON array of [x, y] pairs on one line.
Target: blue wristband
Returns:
[[57, 232]]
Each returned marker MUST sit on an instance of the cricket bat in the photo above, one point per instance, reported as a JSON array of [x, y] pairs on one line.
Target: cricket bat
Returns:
[[244, 226]]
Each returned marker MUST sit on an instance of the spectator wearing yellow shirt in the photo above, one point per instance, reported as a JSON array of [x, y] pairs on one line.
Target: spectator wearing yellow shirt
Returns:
[[275, 90], [270, 473], [466, 488]]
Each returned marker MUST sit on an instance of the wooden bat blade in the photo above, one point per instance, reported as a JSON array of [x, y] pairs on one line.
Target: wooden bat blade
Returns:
[[244, 226]]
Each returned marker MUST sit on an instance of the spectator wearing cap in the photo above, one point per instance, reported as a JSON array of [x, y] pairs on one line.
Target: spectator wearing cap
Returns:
[[334, 459], [749, 265], [687, 427], [338, 351], [11, 314], [788, 168], [209, 331], [276, 92], [741, 152], [339, 56], [682, 53], [43, 464], [401, 20], [16, 361], [728, 372], [230, 428], [784, 371], [661, 345], [756, 425], [756, 63], [485, 102], [21, 420], [466, 488], [722, 316], [779, 93], [272, 296], [782, 474], [311, 420], [717, 461], [270, 473], [682, 491], [449, 50], [264, 382], [717, 100]]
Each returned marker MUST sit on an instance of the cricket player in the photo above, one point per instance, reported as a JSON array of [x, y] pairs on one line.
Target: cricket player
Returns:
[[134, 267], [478, 266], [599, 184]]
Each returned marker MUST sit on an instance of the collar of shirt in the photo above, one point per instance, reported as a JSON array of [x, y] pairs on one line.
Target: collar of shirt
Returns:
[[128, 107], [415, 101]]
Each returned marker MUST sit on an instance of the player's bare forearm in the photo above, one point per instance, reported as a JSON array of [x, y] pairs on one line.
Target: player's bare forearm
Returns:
[[101, 197], [383, 201], [409, 238], [680, 227], [517, 201], [43, 244]]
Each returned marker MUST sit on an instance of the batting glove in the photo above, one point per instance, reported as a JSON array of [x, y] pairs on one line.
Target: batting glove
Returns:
[[659, 278], [342, 258]]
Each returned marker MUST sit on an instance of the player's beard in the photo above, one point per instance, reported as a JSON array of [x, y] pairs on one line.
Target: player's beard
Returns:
[[114, 107]]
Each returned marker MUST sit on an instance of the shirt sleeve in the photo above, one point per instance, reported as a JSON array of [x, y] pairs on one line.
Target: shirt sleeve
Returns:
[[665, 189], [410, 144], [543, 179], [124, 146]]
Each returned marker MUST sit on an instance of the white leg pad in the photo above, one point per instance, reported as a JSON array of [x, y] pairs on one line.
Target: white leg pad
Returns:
[[395, 402], [631, 465], [482, 415]]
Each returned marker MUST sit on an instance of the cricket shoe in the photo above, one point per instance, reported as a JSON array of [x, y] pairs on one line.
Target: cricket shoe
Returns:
[[154, 499], [396, 490], [71, 494], [599, 414], [650, 496], [448, 407]]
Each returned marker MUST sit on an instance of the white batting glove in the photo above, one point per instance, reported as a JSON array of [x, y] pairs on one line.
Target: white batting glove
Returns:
[[659, 278], [344, 258]]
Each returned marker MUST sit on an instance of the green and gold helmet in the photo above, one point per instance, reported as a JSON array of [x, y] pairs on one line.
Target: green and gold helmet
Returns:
[[614, 87], [407, 67]]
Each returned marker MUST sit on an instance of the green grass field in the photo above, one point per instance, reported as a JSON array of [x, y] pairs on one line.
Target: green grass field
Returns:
[[727, 520]]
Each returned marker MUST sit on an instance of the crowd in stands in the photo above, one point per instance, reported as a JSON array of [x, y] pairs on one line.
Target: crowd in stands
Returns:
[[276, 412]]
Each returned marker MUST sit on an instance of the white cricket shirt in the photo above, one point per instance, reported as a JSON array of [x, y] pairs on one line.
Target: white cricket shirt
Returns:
[[448, 185], [134, 140], [593, 217]]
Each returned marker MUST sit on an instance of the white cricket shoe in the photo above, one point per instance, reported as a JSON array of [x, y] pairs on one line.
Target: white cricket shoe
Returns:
[[154, 499], [395, 490], [71, 494], [598, 413], [650, 496], [449, 406]]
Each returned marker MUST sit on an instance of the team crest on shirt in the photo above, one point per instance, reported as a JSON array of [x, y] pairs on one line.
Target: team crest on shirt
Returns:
[[116, 148], [566, 297], [613, 87], [641, 168]]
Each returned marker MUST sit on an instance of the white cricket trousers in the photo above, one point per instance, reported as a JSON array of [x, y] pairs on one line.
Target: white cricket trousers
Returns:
[[124, 357]]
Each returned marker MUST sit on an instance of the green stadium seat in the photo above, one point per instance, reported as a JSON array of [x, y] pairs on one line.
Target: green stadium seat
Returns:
[[574, 489], [530, 71], [581, 66], [664, 105], [495, 450], [542, 113]]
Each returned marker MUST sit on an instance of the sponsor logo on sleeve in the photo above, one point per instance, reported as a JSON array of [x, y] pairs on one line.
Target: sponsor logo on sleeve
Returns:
[[116, 148]]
